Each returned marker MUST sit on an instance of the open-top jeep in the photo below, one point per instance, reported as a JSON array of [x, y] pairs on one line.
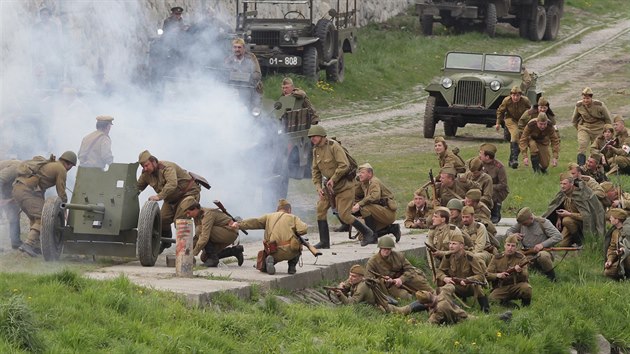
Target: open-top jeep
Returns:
[[471, 89], [293, 43]]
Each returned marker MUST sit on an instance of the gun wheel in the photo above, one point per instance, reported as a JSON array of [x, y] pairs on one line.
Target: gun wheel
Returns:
[[149, 234], [53, 221]]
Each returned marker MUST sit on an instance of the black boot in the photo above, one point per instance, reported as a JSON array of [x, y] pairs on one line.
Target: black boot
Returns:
[[495, 216], [551, 275], [394, 229], [368, 234], [514, 152], [536, 163], [417, 306], [526, 302], [342, 228], [292, 263], [581, 159], [235, 251], [484, 304], [211, 258], [166, 234], [324, 235]]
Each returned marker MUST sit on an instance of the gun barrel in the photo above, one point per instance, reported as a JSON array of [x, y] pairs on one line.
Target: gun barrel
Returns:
[[99, 209]]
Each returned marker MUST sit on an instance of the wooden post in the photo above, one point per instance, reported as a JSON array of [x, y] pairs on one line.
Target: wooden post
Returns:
[[184, 248]]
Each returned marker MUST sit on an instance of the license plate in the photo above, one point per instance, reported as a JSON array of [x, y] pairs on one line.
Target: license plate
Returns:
[[284, 61]]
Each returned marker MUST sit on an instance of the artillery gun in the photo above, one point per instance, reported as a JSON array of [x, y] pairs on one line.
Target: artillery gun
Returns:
[[103, 218]]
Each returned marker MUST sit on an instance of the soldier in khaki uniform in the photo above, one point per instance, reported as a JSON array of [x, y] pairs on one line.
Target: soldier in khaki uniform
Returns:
[[509, 112], [419, 210], [495, 169], [280, 241], [171, 183], [396, 269], [8, 207], [442, 307], [360, 290], [378, 206], [613, 199], [454, 207], [606, 138], [96, 147], [576, 172], [617, 262], [594, 169], [514, 286], [482, 213], [537, 137], [446, 157], [541, 107], [620, 160], [536, 233], [481, 246], [330, 161], [451, 186], [29, 188], [441, 233], [483, 179], [289, 90], [212, 233], [589, 118], [463, 264]]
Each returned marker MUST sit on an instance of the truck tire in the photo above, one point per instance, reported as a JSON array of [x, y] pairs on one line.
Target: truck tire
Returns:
[[53, 220], [429, 118], [553, 23], [324, 30], [450, 129], [538, 24], [149, 234], [336, 72], [491, 20], [310, 63], [426, 23]]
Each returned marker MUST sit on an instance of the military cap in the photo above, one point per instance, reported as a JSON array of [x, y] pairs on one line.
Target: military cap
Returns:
[[488, 148], [607, 186], [357, 269], [108, 119], [282, 203], [439, 139], [422, 192], [474, 194], [565, 175], [177, 10], [468, 210], [188, 202], [443, 208], [523, 215], [596, 156], [144, 156], [455, 204], [609, 127], [457, 237], [618, 118], [512, 238], [543, 101], [587, 91], [424, 296], [365, 165], [516, 89], [240, 41], [618, 213], [572, 165], [475, 164], [542, 117], [449, 170]]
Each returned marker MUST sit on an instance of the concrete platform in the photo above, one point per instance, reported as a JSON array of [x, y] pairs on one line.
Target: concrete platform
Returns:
[[334, 264]]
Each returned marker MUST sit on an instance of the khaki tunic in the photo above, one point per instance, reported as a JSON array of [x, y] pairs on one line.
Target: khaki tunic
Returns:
[[445, 310], [531, 114], [510, 112], [480, 240], [414, 214], [589, 122], [608, 154], [620, 263], [540, 231], [514, 287], [599, 175], [96, 150], [279, 227], [458, 190], [211, 226], [538, 141], [496, 171], [485, 184], [397, 266], [449, 158], [362, 293], [330, 161], [621, 158], [482, 214], [375, 193], [467, 266]]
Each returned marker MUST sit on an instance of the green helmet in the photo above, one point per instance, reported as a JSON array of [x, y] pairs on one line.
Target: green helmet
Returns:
[[455, 204], [386, 242], [70, 157], [316, 130]]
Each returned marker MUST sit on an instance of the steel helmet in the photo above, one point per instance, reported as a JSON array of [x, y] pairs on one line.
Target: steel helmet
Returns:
[[316, 130], [70, 157], [386, 242]]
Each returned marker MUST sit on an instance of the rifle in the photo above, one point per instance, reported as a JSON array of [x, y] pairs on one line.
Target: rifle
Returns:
[[530, 251], [435, 201], [331, 289], [387, 278], [512, 269], [611, 142], [305, 243], [431, 247], [220, 206], [431, 261], [330, 195], [468, 281]]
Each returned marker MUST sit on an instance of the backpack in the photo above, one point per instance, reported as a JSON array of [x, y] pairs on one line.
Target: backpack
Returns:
[[352, 163], [31, 167]]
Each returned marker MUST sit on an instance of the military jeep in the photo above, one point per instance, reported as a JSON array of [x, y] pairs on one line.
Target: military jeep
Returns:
[[471, 89], [293, 43], [535, 19]]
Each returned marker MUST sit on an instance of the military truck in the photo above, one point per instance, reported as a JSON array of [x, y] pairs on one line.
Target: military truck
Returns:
[[471, 89], [535, 19], [293, 42]]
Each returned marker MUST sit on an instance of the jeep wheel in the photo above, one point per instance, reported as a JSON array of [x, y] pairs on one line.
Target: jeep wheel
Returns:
[[426, 23], [336, 72], [491, 20], [324, 31], [450, 129], [537, 25], [309, 63], [553, 23], [429, 118]]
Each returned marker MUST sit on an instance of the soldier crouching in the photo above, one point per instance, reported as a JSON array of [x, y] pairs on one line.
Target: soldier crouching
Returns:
[[509, 274]]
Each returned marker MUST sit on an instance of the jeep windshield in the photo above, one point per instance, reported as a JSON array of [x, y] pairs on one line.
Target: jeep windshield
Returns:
[[483, 62]]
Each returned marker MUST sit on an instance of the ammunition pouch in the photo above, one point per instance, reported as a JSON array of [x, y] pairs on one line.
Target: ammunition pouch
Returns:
[[271, 247], [260, 260]]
